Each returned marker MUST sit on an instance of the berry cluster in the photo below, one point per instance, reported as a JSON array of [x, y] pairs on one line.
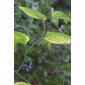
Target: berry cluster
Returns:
[[27, 67]]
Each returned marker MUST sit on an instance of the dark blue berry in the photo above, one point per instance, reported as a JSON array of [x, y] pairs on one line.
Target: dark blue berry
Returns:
[[30, 67], [28, 70], [23, 68], [30, 64], [25, 65]]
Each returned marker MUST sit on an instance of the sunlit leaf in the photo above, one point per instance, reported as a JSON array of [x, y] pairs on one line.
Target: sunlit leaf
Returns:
[[33, 13], [56, 15], [21, 83], [20, 38], [57, 38]]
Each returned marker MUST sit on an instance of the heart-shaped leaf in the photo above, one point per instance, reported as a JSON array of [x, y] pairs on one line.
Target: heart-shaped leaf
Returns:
[[57, 38], [33, 13], [20, 38], [21, 83], [56, 15]]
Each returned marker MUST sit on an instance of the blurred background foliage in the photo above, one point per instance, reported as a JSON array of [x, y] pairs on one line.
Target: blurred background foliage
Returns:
[[51, 63]]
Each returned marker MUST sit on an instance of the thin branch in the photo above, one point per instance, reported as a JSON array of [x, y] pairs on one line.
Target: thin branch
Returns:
[[35, 43], [26, 53], [21, 77], [31, 47], [22, 63], [43, 30]]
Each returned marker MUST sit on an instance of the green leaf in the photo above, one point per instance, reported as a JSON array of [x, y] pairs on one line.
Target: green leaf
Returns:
[[20, 38], [33, 13], [21, 83], [57, 38], [56, 15]]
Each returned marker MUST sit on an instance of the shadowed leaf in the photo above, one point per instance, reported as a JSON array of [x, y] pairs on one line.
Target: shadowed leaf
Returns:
[[56, 15]]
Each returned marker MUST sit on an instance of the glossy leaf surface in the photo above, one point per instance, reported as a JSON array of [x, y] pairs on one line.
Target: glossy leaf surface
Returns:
[[20, 38], [57, 38], [21, 83], [33, 13]]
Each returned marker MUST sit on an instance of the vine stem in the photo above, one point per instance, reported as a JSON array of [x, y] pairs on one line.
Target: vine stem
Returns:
[[26, 53], [22, 62], [21, 77], [43, 30], [35, 43], [31, 47]]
